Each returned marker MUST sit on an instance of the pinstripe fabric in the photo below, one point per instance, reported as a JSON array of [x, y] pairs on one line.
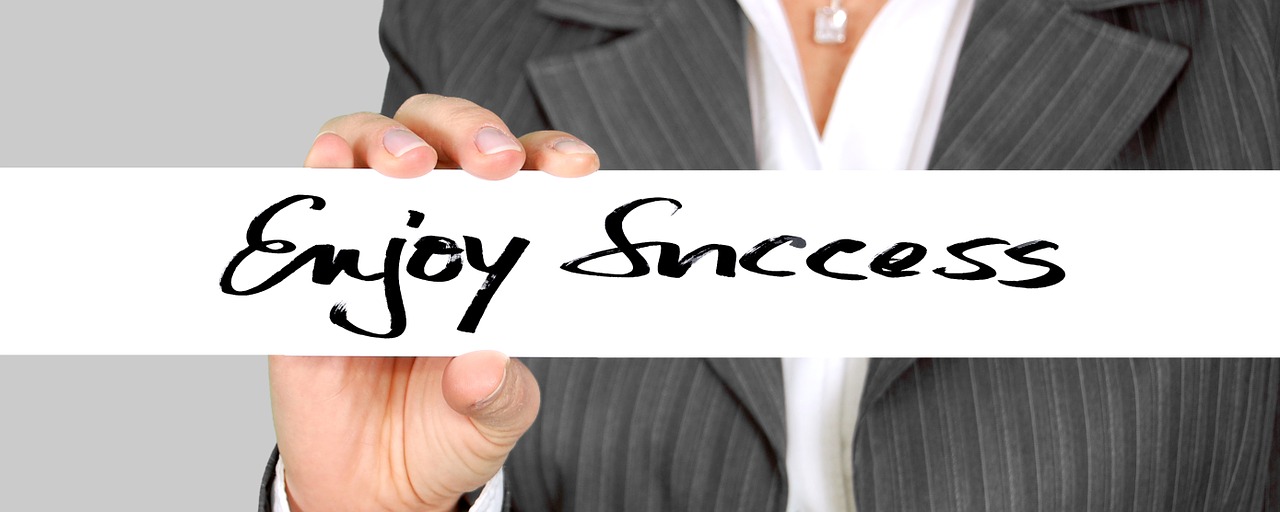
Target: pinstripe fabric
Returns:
[[653, 98], [1224, 114], [1032, 73], [482, 60], [652, 434], [1087, 85], [980, 435], [1040, 84], [643, 101], [1095, 435]]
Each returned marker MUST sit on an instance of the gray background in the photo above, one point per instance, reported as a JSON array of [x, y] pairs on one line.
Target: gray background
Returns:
[[161, 83]]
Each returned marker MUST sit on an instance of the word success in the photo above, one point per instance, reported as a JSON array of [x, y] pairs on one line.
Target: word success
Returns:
[[894, 262]]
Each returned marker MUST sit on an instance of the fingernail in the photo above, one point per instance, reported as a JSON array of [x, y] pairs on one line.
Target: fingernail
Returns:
[[322, 134], [491, 141], [398, 142], [573, 147], [483, 402]]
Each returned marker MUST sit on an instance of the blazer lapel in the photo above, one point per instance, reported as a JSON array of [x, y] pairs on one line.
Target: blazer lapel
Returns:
[[1040, 85], [757, 383], [610, 14], [671, 94], [881, 374]]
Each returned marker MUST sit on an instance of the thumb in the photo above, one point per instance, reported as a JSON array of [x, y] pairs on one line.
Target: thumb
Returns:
[[498, 393]]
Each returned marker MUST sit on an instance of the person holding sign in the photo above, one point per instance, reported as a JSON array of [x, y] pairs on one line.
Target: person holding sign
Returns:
[[803, 84]]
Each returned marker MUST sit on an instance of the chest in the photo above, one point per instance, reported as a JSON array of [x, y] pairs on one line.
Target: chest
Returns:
[[1005, 434]]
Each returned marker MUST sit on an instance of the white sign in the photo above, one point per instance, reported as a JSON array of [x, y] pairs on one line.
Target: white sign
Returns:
[[297, 261]]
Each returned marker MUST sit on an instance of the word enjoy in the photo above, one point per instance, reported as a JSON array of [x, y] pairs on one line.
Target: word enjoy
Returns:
[[327, 265]]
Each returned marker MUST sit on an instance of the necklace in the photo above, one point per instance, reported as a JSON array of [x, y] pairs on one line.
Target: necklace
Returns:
[[829, 24]]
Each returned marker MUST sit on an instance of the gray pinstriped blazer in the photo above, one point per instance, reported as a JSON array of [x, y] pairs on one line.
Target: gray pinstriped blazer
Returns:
[[1040, 84]]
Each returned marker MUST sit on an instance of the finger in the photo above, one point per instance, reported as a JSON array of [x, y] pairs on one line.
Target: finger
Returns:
[[559, 154], [383, 144], [330, 150], [498, 393], [465, 134]]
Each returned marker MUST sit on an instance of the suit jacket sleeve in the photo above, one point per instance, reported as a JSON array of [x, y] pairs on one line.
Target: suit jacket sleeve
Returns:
[[268, 480]]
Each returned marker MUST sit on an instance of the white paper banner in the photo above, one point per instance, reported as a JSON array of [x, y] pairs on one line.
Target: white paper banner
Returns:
[[166, 261]]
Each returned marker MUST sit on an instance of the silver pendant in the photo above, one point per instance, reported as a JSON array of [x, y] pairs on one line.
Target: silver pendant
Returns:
[[829, 25]]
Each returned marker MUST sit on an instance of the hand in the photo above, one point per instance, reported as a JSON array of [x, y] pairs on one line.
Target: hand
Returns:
[[432, 131], [396, 433], [411, 433]]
